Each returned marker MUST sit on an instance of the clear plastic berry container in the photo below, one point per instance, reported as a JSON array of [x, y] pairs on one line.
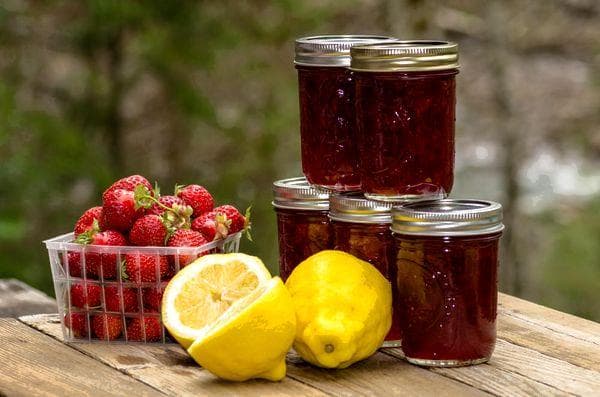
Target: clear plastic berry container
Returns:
[[111, 294]]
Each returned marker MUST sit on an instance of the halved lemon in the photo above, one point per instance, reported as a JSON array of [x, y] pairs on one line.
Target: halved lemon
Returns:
[[252, 338], [205, 289]]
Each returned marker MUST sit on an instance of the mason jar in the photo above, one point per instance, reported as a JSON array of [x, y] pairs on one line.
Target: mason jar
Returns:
[[361, 227], [405, 112], [302, 223], [447, 279], [327, 114]]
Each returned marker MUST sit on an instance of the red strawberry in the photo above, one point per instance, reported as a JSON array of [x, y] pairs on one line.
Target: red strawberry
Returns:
[[238, 221], [153, 297], [147, 329], [197, 197], [112, 298], [148, 230], [77, 322], [128, 183], [143, 268], [101, 263], [208, 226], [107, 326], [119, 209], [86, 221], [74, 263], [86, 295], [167, 201], [186, 238]]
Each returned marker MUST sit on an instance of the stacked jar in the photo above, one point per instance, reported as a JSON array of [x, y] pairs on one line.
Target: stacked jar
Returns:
[[377, 122]]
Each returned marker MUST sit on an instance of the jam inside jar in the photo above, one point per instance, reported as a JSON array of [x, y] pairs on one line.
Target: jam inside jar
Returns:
[[327, 110], [328, 128], [303, 225], [405, 119], [361, 228], [447, 285]]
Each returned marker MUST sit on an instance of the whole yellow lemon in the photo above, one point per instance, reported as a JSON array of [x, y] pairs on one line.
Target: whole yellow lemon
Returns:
[[343, 309]]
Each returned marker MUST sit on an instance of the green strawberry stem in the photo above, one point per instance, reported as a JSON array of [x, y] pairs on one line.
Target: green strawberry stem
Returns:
[[176, 217], [88, 236], [247, 223]]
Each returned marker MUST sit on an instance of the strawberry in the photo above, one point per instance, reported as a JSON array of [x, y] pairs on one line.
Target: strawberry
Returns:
[[86, 295], [147, 329], [208, 226], [238, 221], [113, 296], [119, 209], [195, 196], [143, 268], [186, 238], [86, 221], [74, 263], [153, 297], [107, 326], [97, 263], [77, 322], [129, 183], [221, 222], [148, 230], [167, 201]]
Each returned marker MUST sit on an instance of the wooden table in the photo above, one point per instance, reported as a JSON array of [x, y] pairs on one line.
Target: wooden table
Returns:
[[540, 352]]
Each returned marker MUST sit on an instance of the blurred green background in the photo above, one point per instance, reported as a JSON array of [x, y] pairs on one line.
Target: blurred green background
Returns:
[[205, 92]]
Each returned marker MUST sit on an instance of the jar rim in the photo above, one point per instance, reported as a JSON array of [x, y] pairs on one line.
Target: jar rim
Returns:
[[331, 50], [356, 208], [448, 217], [297, 193], [405, 56]]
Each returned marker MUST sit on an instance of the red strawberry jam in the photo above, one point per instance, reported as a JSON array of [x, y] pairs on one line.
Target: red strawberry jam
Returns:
[[405, 107], [361, 227], [327, 113], [447, 263], [302, 223]]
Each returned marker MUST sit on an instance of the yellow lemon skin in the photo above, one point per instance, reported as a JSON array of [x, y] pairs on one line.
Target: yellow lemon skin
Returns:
[[343, 309], [252, 341]]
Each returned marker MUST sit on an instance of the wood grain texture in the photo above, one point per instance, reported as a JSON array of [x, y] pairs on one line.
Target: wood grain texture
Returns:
[[492, 380], [169, 368], [33, 364], [380, 375], [545, 369], [18, 299], [550, 319], [560, 345]]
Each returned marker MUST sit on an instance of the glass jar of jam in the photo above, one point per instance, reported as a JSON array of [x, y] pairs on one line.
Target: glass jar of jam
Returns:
[[447, 263], [405, 110], [361, 227], [302, 223], [327, 114]]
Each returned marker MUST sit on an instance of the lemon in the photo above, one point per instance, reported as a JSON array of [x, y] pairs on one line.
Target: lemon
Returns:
[[343, 309], [202, 291], [252, 338]]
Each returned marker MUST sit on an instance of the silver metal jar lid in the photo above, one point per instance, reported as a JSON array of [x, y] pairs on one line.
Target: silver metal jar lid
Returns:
[[297, 193], [354, 207], [404, 56], [330, 50], [448, 217]]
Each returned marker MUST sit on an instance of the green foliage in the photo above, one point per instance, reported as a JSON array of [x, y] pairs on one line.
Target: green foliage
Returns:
[[571, 269]]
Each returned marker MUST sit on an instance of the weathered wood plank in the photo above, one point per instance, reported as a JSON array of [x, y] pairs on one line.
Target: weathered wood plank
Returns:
[[551, 319], [169, 368], [18, 299], [33, 364], [491, 379], [380, 375], [560, 345], [545, 369]]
